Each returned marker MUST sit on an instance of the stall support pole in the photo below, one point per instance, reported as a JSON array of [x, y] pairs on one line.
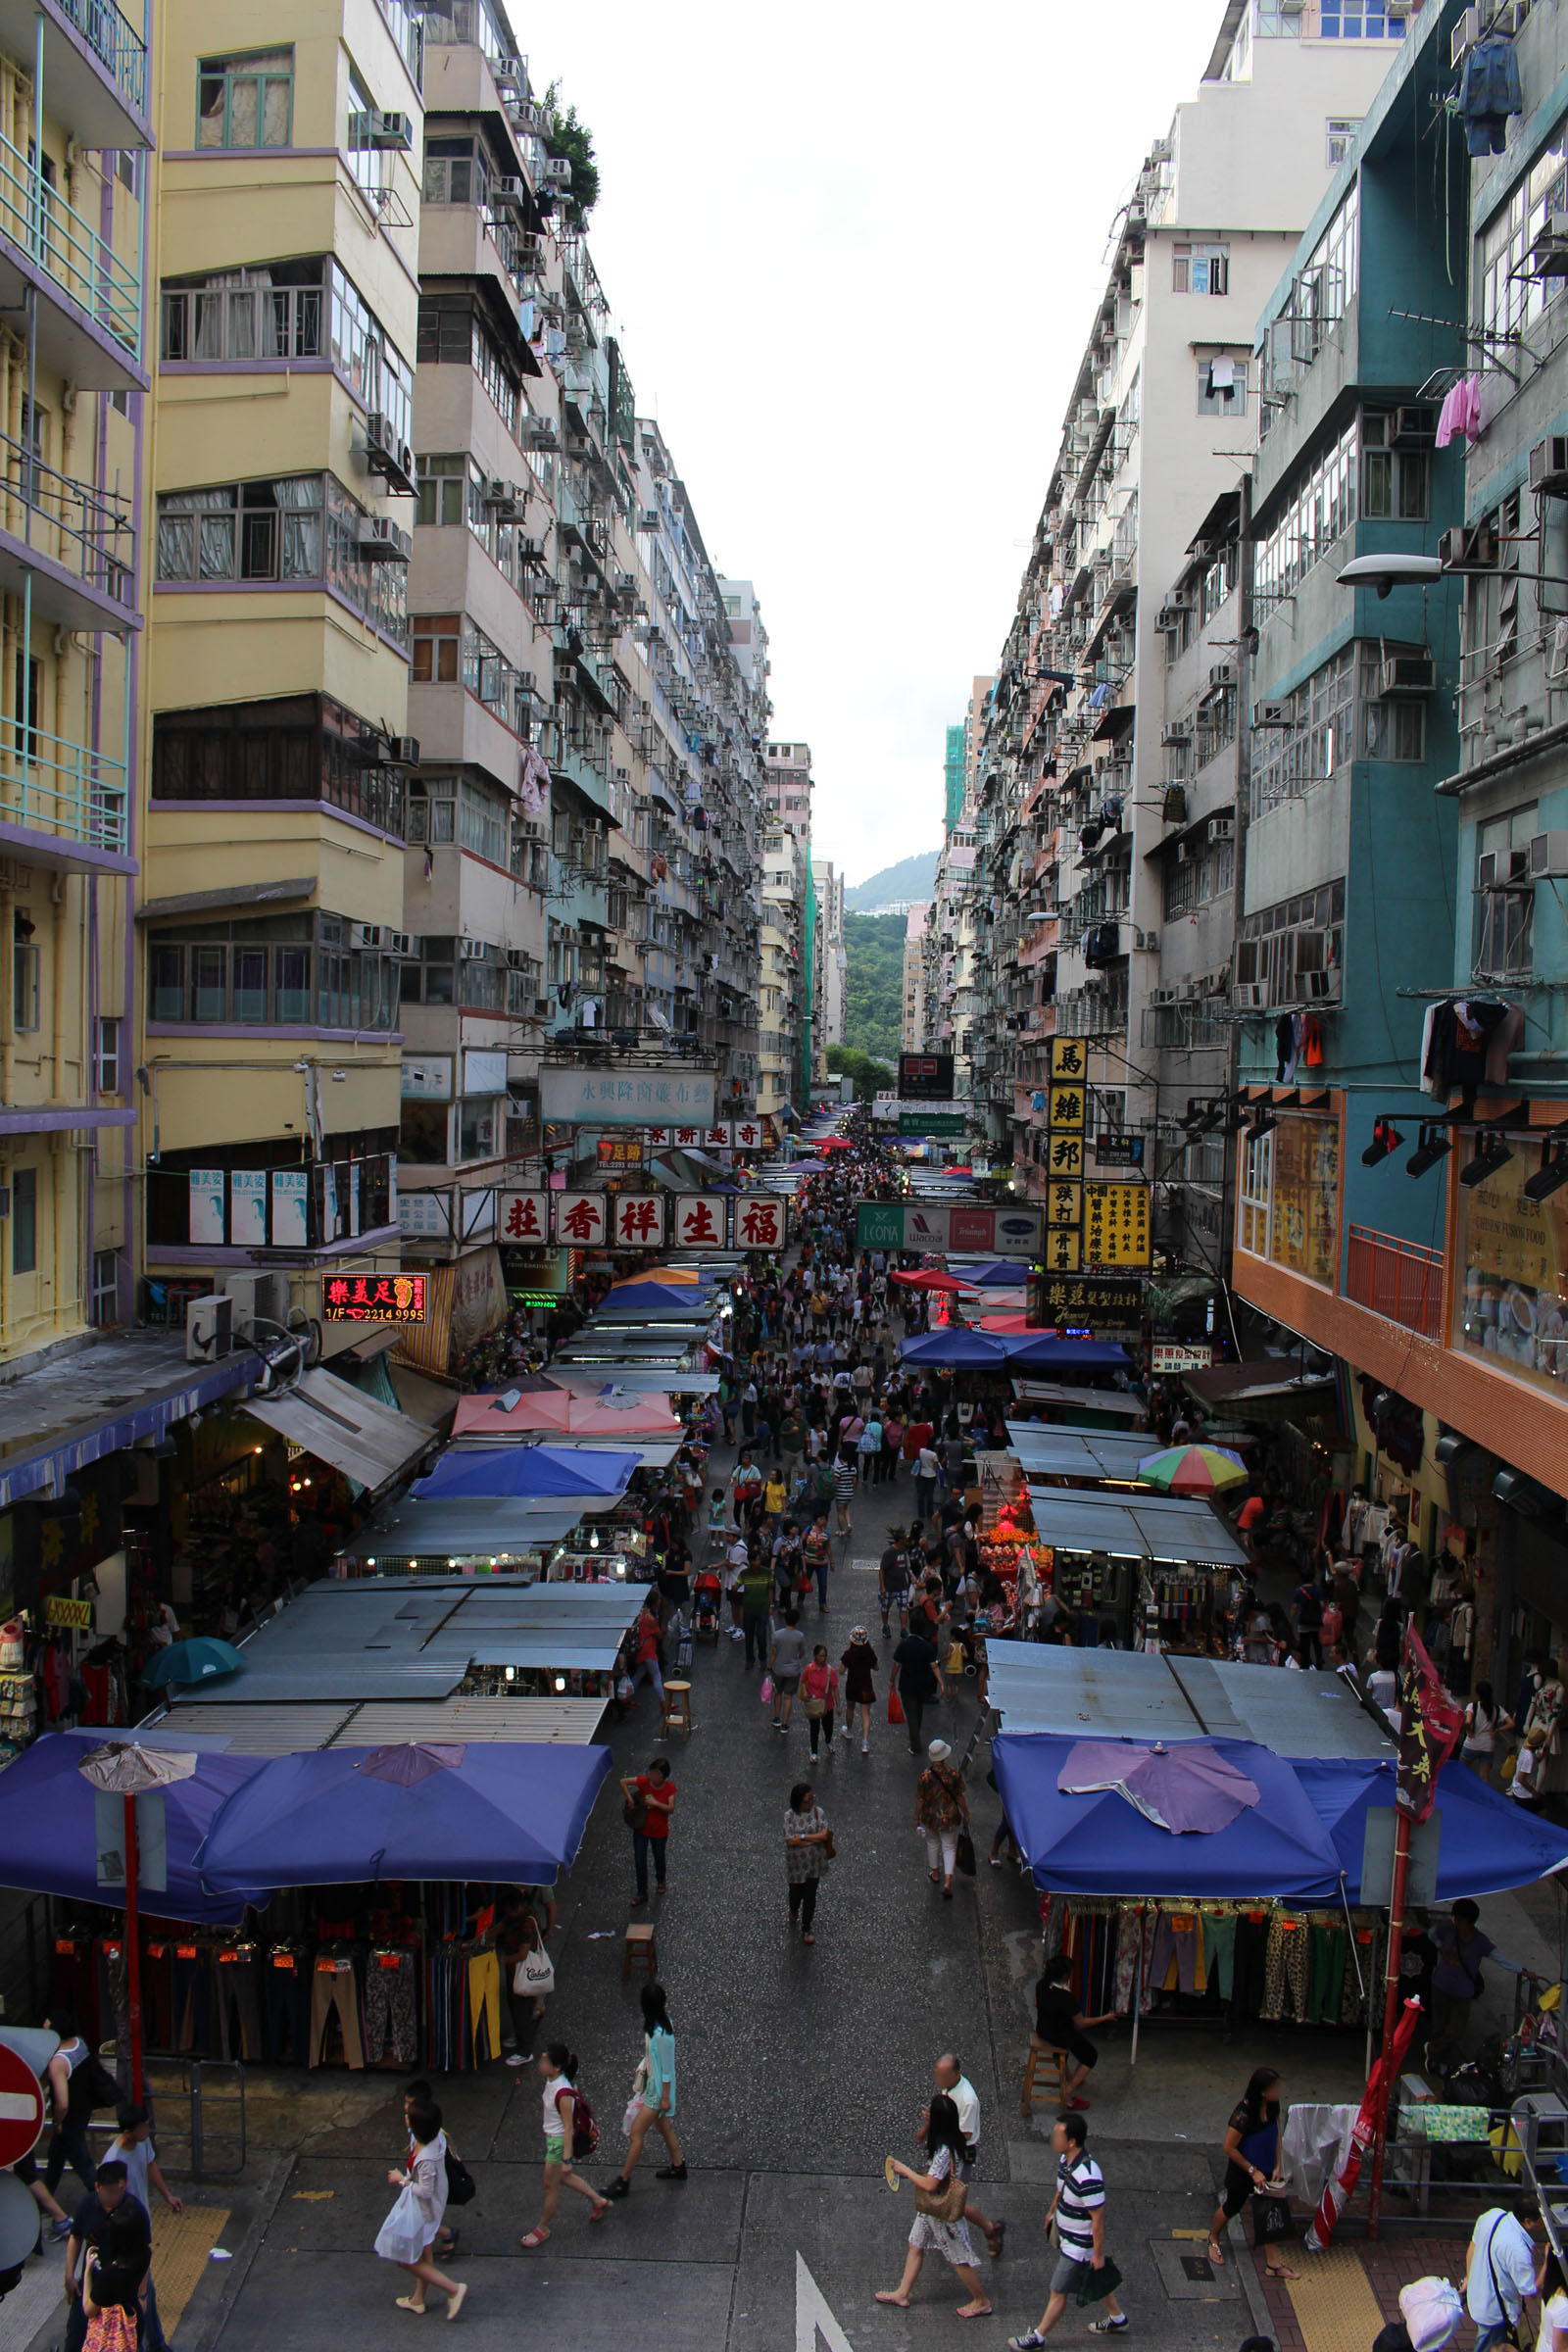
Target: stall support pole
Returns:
[[1391, 2008], [1138, 1992], [138, 2088]]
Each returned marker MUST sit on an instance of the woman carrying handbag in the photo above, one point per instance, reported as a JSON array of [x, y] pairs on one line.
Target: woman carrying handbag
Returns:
[[652, 2100], [407, 2235], [940, 2198]]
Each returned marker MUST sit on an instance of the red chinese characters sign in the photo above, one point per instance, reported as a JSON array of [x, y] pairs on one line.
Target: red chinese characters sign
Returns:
[[758, 1222], [716, 1136], [373, 1298], [747, 1134], [524, 1217], [698, 1219], [580, 1219], [639, 1221]]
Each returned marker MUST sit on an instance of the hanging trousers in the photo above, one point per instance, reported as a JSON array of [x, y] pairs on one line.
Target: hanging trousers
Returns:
[[484, 2002], [1219, 1954], [239, 2016], [287, 1994], [1329, 1950], [332, 1987], [1251, 1972], [193, 1989], [1284, 1968], [390, 2026]]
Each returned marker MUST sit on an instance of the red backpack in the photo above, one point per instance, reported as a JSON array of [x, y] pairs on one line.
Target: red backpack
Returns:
[[584, 2129]]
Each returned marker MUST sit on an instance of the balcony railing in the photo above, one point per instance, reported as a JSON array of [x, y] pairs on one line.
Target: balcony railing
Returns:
[[60, 788], [67, 248], [85, 532], [113, 42], [1398, 1280]]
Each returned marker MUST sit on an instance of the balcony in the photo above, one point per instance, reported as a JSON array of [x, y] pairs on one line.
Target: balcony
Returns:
[[76, 545], [1399, 1280], [94, 67], [62, 803], [88, 326]]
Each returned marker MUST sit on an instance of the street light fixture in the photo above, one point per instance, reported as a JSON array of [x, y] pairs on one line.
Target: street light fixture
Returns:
[[1386, 1138], [1432, 1144]]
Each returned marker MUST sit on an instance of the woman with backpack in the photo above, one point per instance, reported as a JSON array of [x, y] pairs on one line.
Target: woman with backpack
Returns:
[[426, 2185], [569, 2132], [653, 2094]]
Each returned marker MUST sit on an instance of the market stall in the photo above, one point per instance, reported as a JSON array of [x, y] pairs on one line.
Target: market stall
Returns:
[[1046, 1449], [513, 1539], [1083, 1406], [1149, 1561]]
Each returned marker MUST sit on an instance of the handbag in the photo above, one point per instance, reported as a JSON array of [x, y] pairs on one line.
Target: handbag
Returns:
[[536, 1972], [634, 1812], [894, 1708], [1094, 2285], [1271, 2221], [462, 2187], [827, 1849], [964, 1854], [814, 1709], [944, 2204]]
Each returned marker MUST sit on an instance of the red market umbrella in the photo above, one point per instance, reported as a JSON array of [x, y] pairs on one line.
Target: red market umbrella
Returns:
[[930, 1281], [834, 1143]]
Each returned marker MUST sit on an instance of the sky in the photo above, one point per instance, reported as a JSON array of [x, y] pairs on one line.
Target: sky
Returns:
[[854, 253]]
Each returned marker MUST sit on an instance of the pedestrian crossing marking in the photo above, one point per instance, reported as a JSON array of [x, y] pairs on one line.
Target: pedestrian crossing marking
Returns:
[[813, 2316]]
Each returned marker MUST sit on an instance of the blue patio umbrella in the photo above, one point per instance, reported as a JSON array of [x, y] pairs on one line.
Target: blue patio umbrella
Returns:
[[956, 1345], [1001, 1274], [526, 1470], [202, 1659], [508, 1809]]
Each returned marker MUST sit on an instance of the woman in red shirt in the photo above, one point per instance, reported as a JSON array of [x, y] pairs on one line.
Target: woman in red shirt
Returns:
[[650, 1802]]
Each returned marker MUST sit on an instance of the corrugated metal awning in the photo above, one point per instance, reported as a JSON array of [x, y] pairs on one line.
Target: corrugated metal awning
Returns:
[[339, 1424], [1132, 1695], [572, 1721], [1135, 1526], [1046, 1450]]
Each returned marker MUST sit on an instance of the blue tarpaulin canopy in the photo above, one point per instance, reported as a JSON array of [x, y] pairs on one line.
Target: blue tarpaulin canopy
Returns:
[[480, 1809], [514, 1470], [1045, 1352], [956, 1345], [997, 1274], [1101, 1844], [49, 1826], [1486, 1842]]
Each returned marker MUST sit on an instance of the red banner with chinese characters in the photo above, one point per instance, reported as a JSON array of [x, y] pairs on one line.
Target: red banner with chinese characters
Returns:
[[1431, 1724], [373, 1298]]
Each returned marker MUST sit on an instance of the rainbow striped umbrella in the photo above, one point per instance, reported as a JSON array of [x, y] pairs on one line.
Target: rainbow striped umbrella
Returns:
[[1192, 1470]]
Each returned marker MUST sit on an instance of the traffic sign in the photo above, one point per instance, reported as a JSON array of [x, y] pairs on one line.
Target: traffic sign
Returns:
[[21, 2108]]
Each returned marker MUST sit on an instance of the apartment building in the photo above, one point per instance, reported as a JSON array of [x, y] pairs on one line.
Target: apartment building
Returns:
[[790, 786], [281, 463], [1161, 420], [785, 974], [829, 885], [911, 1024], [1402, 1202]]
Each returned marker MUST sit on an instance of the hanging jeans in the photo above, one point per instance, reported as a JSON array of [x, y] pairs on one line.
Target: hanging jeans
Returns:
[[239, 2017], [157, 1995], [1250, 1969], [485, 2002], [193, 1992], [1285, 1969], [287, 1994], [641, 1847], [1179, 1938], [390, 2026], [332, 1987]]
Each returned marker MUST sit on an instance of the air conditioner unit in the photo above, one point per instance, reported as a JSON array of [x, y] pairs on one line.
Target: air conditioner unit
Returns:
[[557, 173], [381, 541], [1179, 731], [1163, 996], [1502, 869], [539, 432], [384, 130], [509, 195], [1322, 984], [471, 951], [364, 934], [1186, 851], [1251, 996], [1548, 465], [1473, 547], [1222, 828], [527, 681], [402, 942], [1407, 674], [1415, 428], [1548, 856], [1202, 549], [209, 1328], [1271, 714], [501, 498], [1549, 255], [517, 960], [1223, 673], [404, 751]]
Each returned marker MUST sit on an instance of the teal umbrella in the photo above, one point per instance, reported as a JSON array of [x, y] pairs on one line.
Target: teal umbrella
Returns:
[[202, 1659]]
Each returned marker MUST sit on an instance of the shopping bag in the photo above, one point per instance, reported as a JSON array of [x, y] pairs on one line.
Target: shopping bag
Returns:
[[1271, 2221], [534, 1974], [895, 1711], [1094, 2285], [1432, 2311], [766, 1694], [964, 1854], [401, 2236], [633, 2110]]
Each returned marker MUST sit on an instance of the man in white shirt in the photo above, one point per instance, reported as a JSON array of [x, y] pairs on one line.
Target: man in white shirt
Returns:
[[735, 1568], [951, 2078], [1500, 2278]]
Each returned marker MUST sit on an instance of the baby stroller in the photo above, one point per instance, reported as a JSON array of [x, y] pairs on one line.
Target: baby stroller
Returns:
[[706, 1594]]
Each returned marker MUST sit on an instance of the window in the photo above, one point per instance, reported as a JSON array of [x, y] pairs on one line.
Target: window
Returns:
[[1295, 949], [1511, 296], [260, 973], [1199, 268], [443, 487], [1395, 483], [267, 312], [452, 333], [478, 1125], [24, 983], [365, 160], [291, 747], [456, 172], [106, 1048], [367, 358], [251, 531], [1222, 387], [1341, 131], [24, 1220], [1504, 916], [103, 1307], [1357, 21], [1394, 728], [1322, 506], [246, 101], [437, 643], [28, 684]]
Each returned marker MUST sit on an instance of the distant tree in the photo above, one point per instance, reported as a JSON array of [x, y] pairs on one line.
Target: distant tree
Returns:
[[874, 982], [870, 1077], [565, 136]]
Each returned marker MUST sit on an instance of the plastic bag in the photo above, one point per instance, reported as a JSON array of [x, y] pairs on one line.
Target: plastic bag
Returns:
[[766, 1694], [895, 1710], [633, 2110], [401, 2236], [1432, 2310]]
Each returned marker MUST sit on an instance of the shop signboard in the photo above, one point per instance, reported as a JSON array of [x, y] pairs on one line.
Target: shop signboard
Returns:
[[1510, 1292], [698, 1221], [746, 1134], [1116, 1225], [646, 1096], [524, 1217], [926, 1077], [1069, 1060], [969, 1225], [535, 1276], [61, 1610], [660, 1138], [1181, 1356], [760, 1221], [582, 1219], [917, 1123], [291, 1199], [373, 1298], [1126, 1151], [1102, 1300], [425, 1215], [484, 1070], [879, 1225], [716, 1135], [427, 1078], [620, 1150], [639, 1221], [247, 1207], [1064, 1203], [207, 1206], [1289, 1195]]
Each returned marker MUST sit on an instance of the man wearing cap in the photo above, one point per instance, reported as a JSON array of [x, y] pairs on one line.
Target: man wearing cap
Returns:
[[941, 1810]]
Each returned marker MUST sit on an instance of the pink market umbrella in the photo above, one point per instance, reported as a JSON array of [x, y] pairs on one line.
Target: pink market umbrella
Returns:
[[1186, 1788]]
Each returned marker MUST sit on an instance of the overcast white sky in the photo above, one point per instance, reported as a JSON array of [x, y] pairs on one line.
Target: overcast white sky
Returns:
[[854, 252]]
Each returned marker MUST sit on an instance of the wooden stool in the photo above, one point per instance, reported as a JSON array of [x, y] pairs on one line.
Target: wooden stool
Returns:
[[1039, 2054], [641, 1948], [677, 1709]]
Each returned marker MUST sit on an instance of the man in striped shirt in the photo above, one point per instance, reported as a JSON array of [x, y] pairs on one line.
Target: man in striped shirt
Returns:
[[1079, 2211]]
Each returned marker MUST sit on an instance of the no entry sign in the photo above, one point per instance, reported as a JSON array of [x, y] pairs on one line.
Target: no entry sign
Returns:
[[21, 2108]]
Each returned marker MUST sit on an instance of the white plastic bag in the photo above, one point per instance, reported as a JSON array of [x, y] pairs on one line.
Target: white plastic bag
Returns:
[[1432, 2310], [401, 2236], [633, 2110]]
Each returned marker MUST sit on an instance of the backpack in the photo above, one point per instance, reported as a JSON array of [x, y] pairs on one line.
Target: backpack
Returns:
[[584, 2129]]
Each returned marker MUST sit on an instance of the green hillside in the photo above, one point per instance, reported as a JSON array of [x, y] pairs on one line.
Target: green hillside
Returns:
[[874, 982], [910, 878]]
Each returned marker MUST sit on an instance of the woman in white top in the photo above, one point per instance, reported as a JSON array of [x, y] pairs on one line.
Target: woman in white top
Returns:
[[1553, 2335], [427, 2177], [557, 2066], [1484, 1719]]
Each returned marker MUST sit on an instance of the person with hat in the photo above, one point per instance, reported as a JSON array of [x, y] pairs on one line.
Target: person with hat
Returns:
[[941, 1810], [859, 1663]]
